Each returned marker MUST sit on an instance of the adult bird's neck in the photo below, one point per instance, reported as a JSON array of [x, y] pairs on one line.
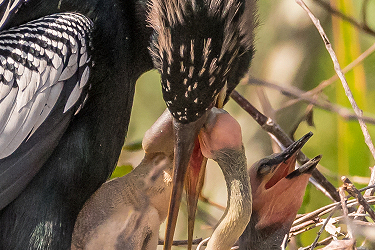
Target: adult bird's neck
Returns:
[[119, 57]]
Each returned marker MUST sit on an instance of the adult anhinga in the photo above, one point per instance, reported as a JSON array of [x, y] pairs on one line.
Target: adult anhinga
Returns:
[[277, 192], [202, 48], [121, 215], [66, 90], [76, 73]]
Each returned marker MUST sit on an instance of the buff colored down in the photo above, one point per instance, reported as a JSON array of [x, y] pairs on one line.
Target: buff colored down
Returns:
[[126, 213]]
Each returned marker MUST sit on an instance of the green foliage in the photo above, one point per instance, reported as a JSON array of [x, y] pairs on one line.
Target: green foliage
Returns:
[[133, 146], [121, 171]]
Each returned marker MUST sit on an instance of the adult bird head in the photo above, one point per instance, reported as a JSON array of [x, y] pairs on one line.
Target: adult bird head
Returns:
[[202, 48], [277, 190]]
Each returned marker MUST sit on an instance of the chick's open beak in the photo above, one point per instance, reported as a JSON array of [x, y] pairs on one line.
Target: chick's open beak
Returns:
[[277, 187], [277, 166]]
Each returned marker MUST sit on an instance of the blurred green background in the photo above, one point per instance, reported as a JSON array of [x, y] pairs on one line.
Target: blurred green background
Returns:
[[289, 53]]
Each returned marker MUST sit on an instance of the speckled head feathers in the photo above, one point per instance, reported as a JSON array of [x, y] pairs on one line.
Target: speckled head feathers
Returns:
[[198, 46]]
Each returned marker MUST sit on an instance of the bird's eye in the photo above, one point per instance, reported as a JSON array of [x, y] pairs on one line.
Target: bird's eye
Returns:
[[264, 169]]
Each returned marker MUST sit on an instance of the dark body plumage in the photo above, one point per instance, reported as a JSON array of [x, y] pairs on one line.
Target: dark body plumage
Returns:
[[77, 153], [200, 47]]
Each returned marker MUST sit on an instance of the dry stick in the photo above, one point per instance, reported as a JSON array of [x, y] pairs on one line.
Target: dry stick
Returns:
[[302, 96], [302, 227], [308, 225], [366, 188], [324, 242], [312, 219], [345, 70], [212, 203], [327, 209], [355, 178], [181, 242], [334, 78], [353, 191], [313, 245], [338, 218], [312, 226], [348, 93], [332, 10], [265, 103], [368, 192], [311, 95], [273, 128], [345, 211]]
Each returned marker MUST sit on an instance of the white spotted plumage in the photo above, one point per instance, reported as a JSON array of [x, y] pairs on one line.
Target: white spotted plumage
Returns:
[[195, 45], [36, 60], [192, 51]]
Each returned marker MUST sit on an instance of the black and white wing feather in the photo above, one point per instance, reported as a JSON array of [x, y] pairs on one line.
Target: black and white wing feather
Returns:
[[44, 69]]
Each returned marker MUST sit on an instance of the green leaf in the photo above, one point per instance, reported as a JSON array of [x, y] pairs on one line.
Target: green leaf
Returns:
[[133, 146], [350, 144], [121, 171]]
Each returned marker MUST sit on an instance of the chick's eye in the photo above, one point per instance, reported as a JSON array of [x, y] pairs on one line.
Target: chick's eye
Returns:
[[264, 169]]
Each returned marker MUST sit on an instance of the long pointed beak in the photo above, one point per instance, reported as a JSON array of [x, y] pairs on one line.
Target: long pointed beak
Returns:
[[287, 158], [306, 168], [185, 135], [277, 187], [293, 148]]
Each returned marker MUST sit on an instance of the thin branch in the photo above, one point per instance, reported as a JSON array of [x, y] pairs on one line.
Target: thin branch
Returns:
[[355, 178], [353, 191], [352, 21], [308, 225], [324, 242], [210, 202], [339, 72], [345, 211], [327, 209], [273, 128], [369, 192], [348, 68], [181, 242], [301, 227], [348, 93], [367, 188], [313, 245], [301, 95]]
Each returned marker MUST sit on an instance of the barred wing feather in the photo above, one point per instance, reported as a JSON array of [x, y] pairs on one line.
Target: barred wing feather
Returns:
[[44, 68]]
